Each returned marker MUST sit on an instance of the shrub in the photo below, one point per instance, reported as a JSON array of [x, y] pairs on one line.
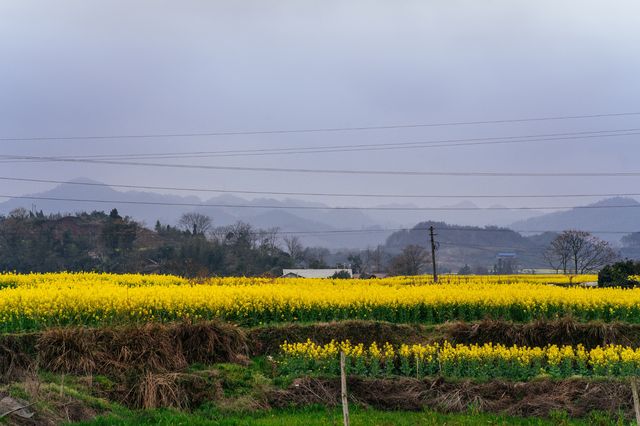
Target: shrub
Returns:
[[341, 275], [620, 274]]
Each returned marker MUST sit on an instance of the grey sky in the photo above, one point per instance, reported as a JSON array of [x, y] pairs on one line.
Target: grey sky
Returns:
[[118, 67]]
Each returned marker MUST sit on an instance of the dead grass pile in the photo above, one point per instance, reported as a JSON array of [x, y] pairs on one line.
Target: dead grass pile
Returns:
[[147, 362], [211, 342], [179, 390], [564, 331], [538, 398], [109, 351], [151, 347], [154, 390], [17, 354]]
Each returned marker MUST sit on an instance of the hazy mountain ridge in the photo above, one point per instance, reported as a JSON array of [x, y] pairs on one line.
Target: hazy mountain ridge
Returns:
[[470, 217], [128, 203], [599, 218], [226, 209]]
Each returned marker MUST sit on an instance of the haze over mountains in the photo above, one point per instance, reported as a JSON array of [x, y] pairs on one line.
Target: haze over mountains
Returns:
[[379, 224], [616, 220]]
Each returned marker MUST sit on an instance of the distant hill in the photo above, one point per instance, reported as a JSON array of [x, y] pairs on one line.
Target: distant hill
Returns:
[[311, 221], [463, 217], [596, 219], [292, 220], [473, 246]]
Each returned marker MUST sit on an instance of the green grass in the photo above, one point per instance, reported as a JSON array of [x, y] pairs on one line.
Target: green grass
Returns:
[[318, 416]]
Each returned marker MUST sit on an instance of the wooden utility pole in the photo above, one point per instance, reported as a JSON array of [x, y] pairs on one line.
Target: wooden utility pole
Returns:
[[343, 389], [433, 254], [636, 400]]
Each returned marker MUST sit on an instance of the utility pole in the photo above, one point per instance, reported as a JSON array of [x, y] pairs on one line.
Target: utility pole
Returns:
[[433, 254], [343, 389]]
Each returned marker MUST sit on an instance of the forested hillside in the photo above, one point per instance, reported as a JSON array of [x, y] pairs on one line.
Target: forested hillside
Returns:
[[474, 246], [34, 242]]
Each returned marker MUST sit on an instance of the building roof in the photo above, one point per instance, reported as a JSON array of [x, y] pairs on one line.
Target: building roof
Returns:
[[313, 273]]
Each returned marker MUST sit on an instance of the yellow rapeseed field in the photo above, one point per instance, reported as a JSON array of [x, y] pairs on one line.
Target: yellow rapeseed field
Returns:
[[478, 361], [41, 300], [13, 280]]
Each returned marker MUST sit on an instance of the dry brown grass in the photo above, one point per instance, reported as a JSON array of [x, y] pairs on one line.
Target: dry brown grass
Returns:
[[537, 398], [151, 347], [146, 361], [17, 354], [211, 342], [155, 390], [148, 364], [170, 347], [565, 331]]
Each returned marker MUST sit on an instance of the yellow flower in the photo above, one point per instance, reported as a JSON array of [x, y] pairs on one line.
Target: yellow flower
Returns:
[[40, 300]]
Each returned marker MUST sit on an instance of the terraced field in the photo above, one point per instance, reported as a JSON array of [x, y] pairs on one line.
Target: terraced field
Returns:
[[531, 346]]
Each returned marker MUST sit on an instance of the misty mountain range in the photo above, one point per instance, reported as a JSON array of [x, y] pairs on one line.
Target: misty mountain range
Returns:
[[377, 225], [613, 222]]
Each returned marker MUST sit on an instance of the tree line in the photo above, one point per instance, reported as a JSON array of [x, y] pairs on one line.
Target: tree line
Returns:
[[109, 242], [194, 247], [97, 241]]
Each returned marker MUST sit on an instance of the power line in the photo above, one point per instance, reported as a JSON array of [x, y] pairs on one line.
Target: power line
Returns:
[[475, 246], [408, 229], [523, 231], [445, 230], [315, 130], [323, 194], [346, 172], [281, 207], [353, 147]]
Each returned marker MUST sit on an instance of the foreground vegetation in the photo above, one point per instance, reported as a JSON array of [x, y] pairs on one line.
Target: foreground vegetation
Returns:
[[156, 349], [203, 371], [322, 416]]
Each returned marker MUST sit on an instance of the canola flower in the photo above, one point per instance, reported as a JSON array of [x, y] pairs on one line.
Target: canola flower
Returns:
[[35, 301], [11, 280], [460, 361]]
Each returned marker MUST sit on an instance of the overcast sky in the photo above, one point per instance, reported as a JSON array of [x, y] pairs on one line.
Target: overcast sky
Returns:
[[70, 68]]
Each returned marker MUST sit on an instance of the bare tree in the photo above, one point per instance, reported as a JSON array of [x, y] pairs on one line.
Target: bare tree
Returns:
[[374, 259], [196, 223], [558, 253], [412, 261], [315, 257], [580, 252], [19, 213], [218, 234], [554, 261], [267, 239], [239, 234], [592, 255], [294, 247]]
